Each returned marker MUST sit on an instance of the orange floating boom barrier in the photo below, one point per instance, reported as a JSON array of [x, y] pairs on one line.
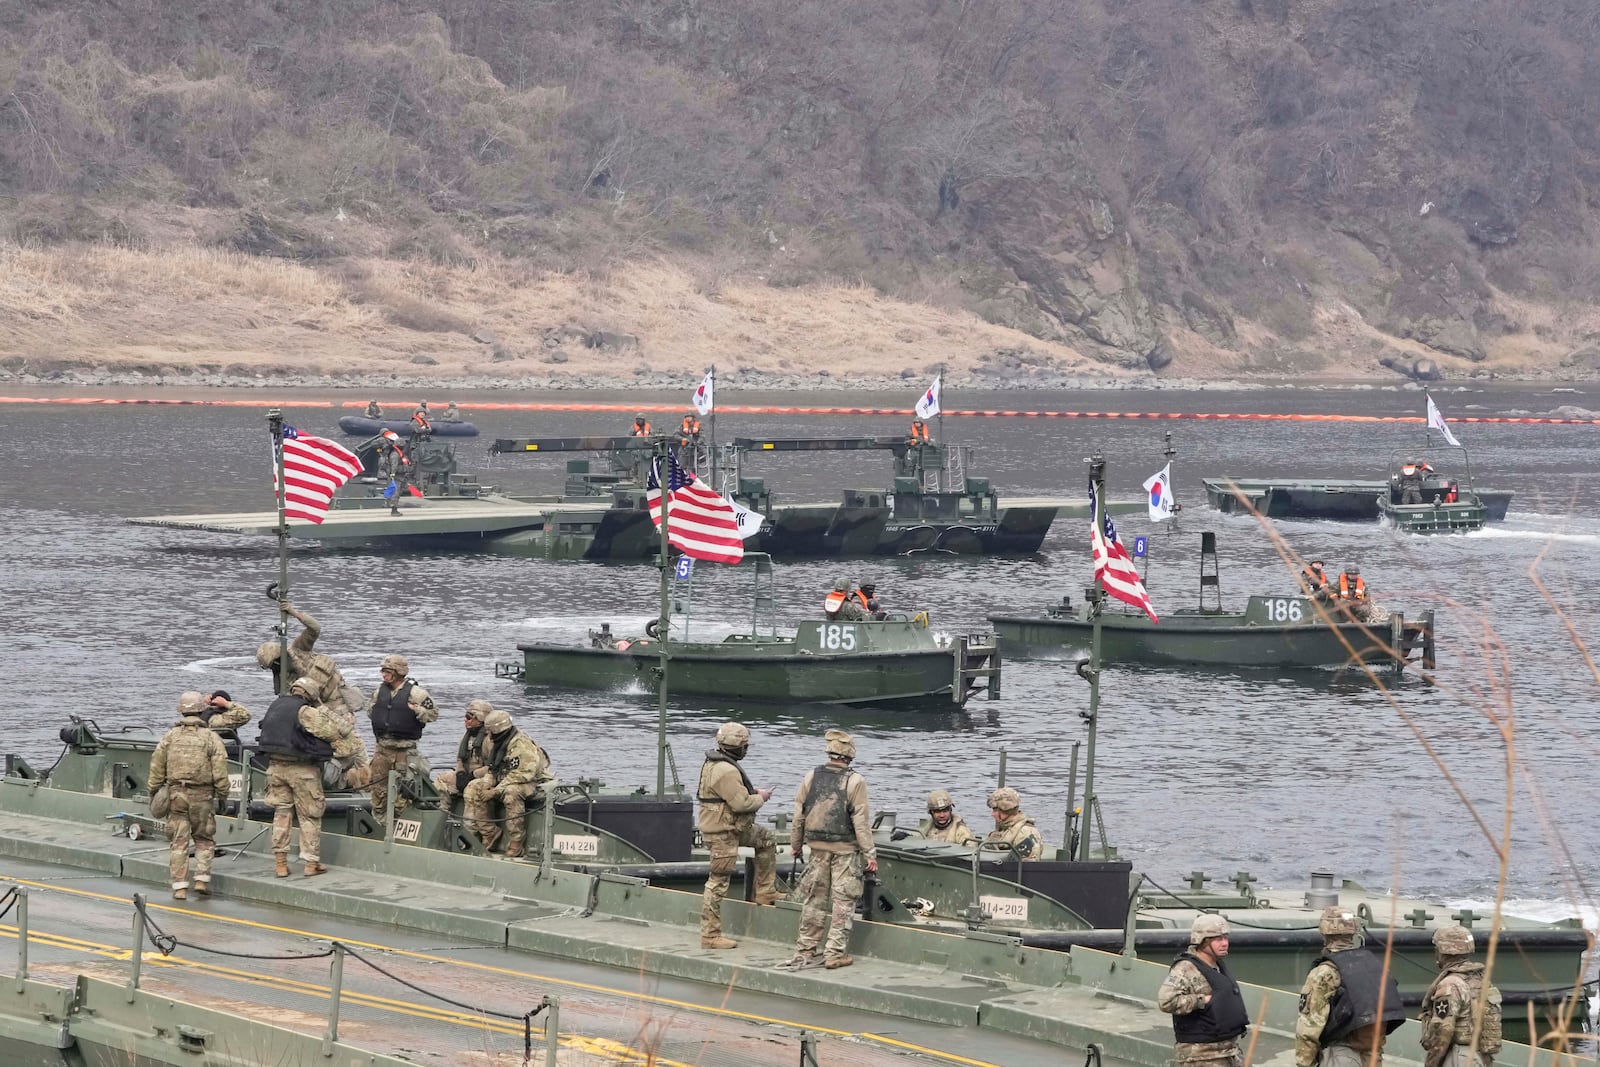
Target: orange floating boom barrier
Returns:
[[755, 409]]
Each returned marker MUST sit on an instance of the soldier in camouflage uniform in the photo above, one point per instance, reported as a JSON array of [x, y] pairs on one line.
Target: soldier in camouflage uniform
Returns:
[[332, 691], [297, 736], [399, 710], [1013, 828], [1461, 1010], [517, 769], [193, 764], [469, 754], [1348, 1004], [728, 806], [841, 605], [831, 815], [943, 824], [1207, 1008]]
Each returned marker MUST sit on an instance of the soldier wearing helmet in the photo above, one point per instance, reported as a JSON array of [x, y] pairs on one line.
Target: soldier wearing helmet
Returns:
[[728, 807], [1348, 1005], [399, 710], [297, 736], [332, 691], [832, 816], [374, 409], [842, 604], [1013, 831], [469, 753], [640, 427], [1207, 1008], [192, 764], [1461, 1010], [943, 824], [516, 768]]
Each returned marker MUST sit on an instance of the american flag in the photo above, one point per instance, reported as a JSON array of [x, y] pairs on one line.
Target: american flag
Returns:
[[701, 523], [1112, 564], [313, 467]]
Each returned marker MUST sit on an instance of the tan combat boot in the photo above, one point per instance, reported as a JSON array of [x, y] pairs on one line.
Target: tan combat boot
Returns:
[[202, 887], [282, 869], [765, 899], [180, 894], [835, 962], [491, 839], [718, 942], [515, 850], [314, 869]]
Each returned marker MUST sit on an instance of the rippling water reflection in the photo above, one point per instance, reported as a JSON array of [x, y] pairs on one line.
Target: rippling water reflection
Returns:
[[1275, 773]]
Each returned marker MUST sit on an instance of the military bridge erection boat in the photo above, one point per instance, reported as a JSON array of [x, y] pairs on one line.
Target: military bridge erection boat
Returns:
[[1289, 631]]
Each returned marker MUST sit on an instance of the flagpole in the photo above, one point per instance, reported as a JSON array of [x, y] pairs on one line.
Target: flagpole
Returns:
[[275, 427], [942, 480], [716, 474], [1172, 517], [664, 619], [1090, 671]]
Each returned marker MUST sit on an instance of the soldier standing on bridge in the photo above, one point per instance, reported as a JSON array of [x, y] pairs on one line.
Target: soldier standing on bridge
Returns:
[[1348, 1003], [1460, 1019], [831, 815], [399, 710], [191, 762], [728, 806], [1207, 1009]]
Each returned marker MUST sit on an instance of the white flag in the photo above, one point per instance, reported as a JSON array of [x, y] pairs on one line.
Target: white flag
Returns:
[[1159, 486], [1436, 420], [702, 395], [749, 521], [928, 405]]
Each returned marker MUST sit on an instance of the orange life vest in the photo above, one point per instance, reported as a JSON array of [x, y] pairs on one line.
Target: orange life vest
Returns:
[[1314, 579], [919, 433], [833, 602], [421, 421], [690, 428], [641, 431], [1347, 591], [862, 598], [1453, 494]]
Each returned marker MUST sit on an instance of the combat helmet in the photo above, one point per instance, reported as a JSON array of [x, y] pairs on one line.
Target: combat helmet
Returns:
[[191, 703], [1337, 922], [1453, 941], [840, 744], [268, 654], [480, 709], [395, 663], [940, 800], [307, 684], [1005, 799], [498, 722], [841, 586], [734, 739], [1205, 927]]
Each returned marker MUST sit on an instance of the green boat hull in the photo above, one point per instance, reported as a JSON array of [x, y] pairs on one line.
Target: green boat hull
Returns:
[[1252, 638], [868, 663]]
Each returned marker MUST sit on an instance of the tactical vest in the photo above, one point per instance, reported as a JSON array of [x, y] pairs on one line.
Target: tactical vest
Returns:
[[1355, 1003], [834, 824], [283, 736], [189, 755], [469, 753], [716, 755], [1471, 975], [392, 717], [1221, 1020]]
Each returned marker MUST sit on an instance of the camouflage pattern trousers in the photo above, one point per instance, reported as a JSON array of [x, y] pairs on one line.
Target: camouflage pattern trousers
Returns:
[[192, 818], [1208, 1054], [294, 788], [1345, 1056], [829, 891], [724, 848], [478, 811], [401, 757]]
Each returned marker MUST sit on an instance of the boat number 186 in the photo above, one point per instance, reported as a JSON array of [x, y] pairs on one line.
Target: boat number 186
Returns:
[[1284, 610], [838, 638]]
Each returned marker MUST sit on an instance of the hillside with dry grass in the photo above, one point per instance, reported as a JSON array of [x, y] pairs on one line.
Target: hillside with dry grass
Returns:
[[1024, 190]]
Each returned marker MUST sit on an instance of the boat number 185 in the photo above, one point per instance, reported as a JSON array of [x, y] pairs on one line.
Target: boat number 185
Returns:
[[1284, 610], [838, 638]]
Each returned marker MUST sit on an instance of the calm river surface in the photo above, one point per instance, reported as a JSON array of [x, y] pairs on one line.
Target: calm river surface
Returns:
[[1221, 772]]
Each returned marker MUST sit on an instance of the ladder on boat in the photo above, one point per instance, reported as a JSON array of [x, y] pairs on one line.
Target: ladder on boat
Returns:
[[977, 667], [1210, 579]]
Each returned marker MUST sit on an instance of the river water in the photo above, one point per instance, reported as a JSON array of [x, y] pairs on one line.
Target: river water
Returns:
[[1403, 785]]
